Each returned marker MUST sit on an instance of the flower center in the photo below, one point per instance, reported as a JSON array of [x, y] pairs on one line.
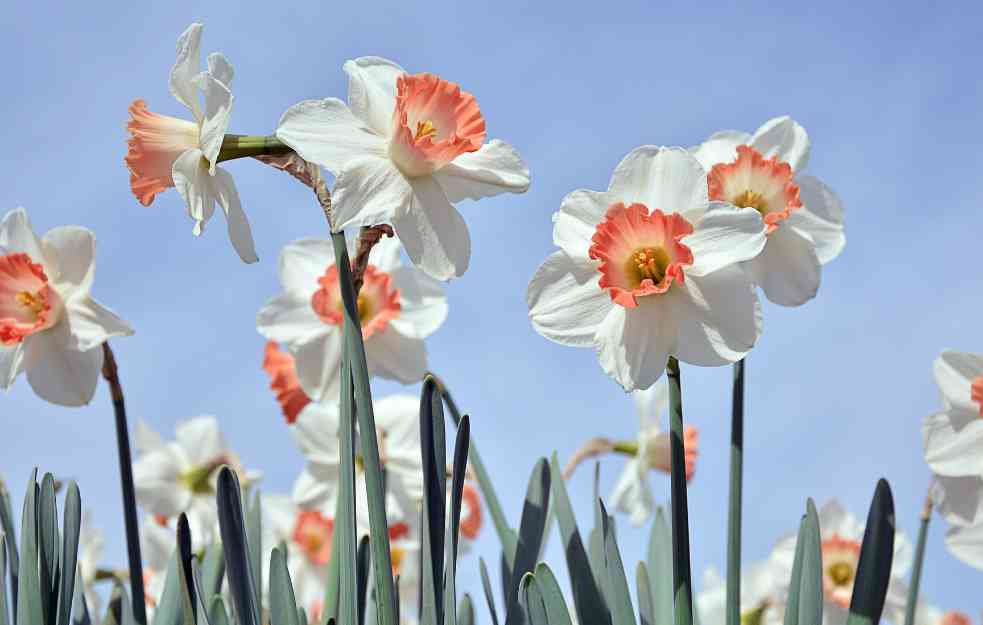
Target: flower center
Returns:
[[434, 122], [197, 480], [378, 301], [313, 533], [28, 304], [640, 252], [976, 392], [840, 558], [755, 616], [753, 181], [841, 573]]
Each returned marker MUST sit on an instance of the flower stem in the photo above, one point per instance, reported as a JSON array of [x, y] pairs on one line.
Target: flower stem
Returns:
[[916, 571], [681, 575], [734, 505], [111, 375], [243, 146]]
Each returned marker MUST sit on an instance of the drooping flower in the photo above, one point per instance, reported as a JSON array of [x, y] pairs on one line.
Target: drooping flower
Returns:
[[953, 438], [50, 326], [170, 152], [804, 217], [650, 269], [398, 308], [760, 604], [180, 476], [404, 150], [632, 493]]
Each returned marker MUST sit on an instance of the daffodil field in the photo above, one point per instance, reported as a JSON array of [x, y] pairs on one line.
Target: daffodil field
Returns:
[[660, 272]]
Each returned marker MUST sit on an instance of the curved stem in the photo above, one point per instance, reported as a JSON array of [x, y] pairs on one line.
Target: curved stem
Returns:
[[111, 375], [734, 504], [916, 571], [681, 575]]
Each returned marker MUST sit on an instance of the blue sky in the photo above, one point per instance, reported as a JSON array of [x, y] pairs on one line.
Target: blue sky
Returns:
[[890, 93]]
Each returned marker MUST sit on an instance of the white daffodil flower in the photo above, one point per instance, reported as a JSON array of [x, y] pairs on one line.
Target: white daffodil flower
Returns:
[[398, 308], [804, 217], [650, 269], [170, 152], [404, 150], [760, 601], [50, 326], [92, 541]]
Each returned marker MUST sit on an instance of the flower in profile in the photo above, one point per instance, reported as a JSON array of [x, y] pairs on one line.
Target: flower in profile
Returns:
[[404, 150], [398, 307], [803, 216], [284, 382], [50, 326], [171, 152], [650, 269], [760, 604], [953, 438]]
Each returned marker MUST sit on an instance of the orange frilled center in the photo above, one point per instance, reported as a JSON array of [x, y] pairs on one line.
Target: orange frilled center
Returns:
[[640, 252], [282, 369], [953, 617], [28, 304], [976, 392], [434, 122], [155, 143], [840, 559], [471, 521], [312, 534], [753, 181], [378, 301]]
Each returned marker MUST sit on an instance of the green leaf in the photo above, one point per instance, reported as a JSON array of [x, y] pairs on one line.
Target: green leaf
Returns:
[[80, 615], [236, 548], [916, 570], [622, 612], [7, 527], [598, 563], [254, 538], [29, 608], [345, 521], [125, 614], [805, 598], [646, 608], [587, 599], [362, 561], [302, 616], [3, 577], [69, 554], [189, 598], [283, 603], [489, 596], [434, 456], [682, 578], [876, 557], [531, 600], [48, 539], [465, 611], [212, 573], [216, 612], [530, 532], [204, 597], [795, 581], [659, 564], [556, 605], [334, 571], [170, 608], [457, 488]]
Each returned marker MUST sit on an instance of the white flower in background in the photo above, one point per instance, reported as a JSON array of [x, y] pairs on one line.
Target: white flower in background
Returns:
[[90, 550], [632, 493], [471, 515], [158, 540], [760, 602], [650, 269], [181, 475], [842, 535], [404, 149], [804, 217], [398, 308], [953, 438], [308, 534], [928, 614], [50, 326], [170, 152]]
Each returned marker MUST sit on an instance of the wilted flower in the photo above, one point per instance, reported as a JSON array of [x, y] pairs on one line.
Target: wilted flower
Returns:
[[398, 307], [170, 152], [50, 326], [404, 149], [804, 217], [650, 269]]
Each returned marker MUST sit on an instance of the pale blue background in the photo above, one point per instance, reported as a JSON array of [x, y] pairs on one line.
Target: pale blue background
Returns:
[[889, 92]]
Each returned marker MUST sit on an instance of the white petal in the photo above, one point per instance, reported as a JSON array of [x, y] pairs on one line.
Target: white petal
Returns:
[[785, 139], [11, 364], [289, 318], [17, 236], [834, 519], [194, 183], [668, 179], [566, 303], [327, 133], [724, 236], [787, 270], [71, 252], [146, 439], [959, 499], [201, 440], [632, 493], [186, 67], [220, 68], [218, 110], [721, 147], [315, 488], [634, 345], [372, 90], [954, 443], [966, 543], [434, 234], [319, 365], [316, 432], [494, 169], [384, 255], [399, 416], [424, 304], [954, 373], [369, 191], [574, 224], [821, 217], [302, 263], [156, 478], [91, 324], [58, 373], [395, 356], [718, 317], [240, 233]]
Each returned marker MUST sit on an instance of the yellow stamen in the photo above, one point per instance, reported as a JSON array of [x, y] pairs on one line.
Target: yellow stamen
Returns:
[[647, 263], [30, 301], [841, 573], [425, 129], [752, 199], [197, 480]]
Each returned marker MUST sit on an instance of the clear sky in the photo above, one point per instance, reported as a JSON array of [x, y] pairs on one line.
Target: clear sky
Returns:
[[890, 93]]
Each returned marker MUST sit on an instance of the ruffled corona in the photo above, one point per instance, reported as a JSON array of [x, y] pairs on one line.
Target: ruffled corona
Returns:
[[155, 143], [840, 558], [471, 512], [953, 617], [27, 303], [753, 181], [658, 454], [312, 534], [434, 122], [976, 392], [640, 252], [378, 301], [282, 369]]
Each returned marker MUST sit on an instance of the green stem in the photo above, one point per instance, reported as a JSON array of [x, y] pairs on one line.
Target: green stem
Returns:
[[628, 448], [916, 572], [734, 505], [681, 575], [243, 146]]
